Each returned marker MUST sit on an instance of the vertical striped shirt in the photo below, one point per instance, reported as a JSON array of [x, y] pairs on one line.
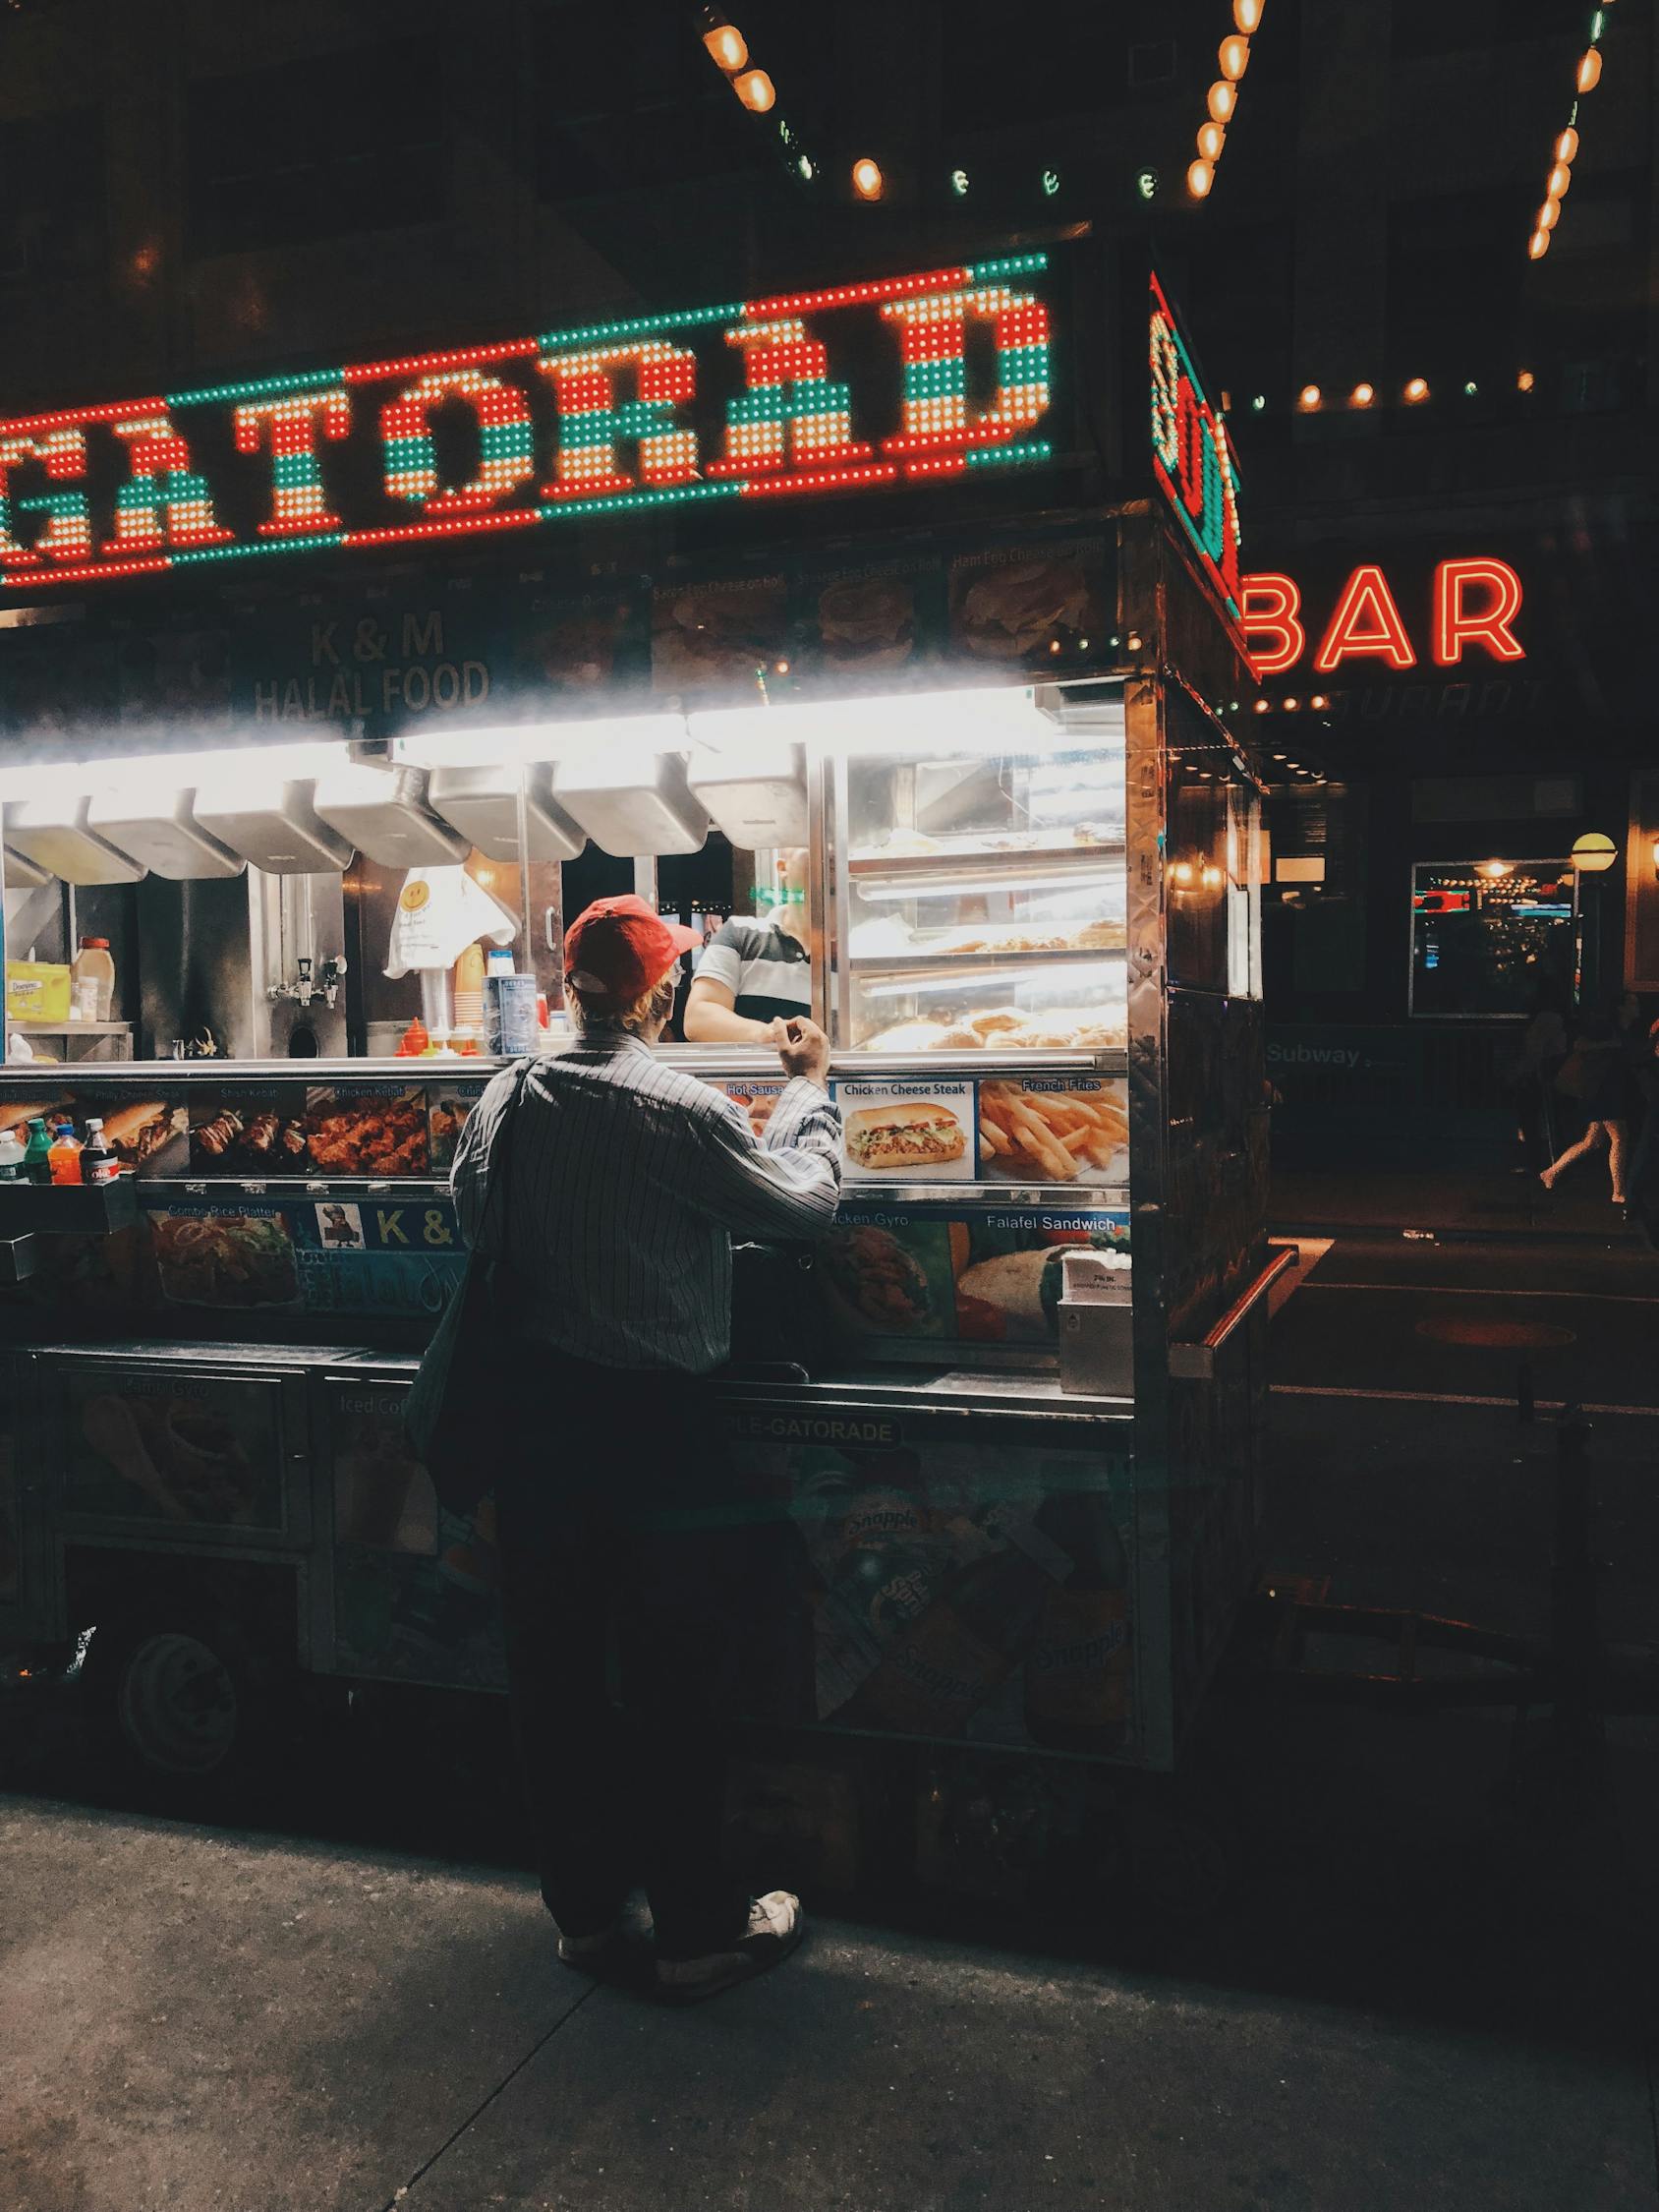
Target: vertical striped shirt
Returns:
[[625, 1183]]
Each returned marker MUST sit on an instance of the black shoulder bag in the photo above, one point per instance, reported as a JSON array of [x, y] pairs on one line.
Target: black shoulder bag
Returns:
[[460, 1415]]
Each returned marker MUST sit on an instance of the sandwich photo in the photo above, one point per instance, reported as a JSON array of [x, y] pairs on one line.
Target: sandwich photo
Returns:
[[136, 1134], [867, 621], [904, 1133], [17, 1113]]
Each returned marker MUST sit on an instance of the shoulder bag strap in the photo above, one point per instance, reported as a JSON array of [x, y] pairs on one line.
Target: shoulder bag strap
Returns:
[[500, 1153]]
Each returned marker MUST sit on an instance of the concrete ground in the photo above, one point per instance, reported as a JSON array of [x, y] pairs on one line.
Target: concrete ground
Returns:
[[1427, 1987]]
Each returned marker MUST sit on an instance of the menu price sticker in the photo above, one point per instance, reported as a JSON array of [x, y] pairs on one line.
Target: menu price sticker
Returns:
[[915, 1132]]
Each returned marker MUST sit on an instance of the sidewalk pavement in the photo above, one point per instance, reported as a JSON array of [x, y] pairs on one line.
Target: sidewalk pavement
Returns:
[[216, 2021], [1482, 1203]]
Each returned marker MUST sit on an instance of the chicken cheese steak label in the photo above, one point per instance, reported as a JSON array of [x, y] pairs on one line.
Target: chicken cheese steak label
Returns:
[[917, 1132]]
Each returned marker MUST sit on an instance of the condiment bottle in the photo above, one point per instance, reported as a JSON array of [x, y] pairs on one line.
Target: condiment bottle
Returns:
[[94, 965], [98, 1164], [64, 1157], [10, 1156], [37, 1157]]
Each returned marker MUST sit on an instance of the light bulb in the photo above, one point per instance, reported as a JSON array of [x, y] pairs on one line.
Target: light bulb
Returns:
[[1548, 215], [1233, 57], [866, 179], [1589, 69], [727, 48], [1538, 244], [1417, 389], [1566, 146], [1248, 14], [1362, 396], [756, 89], [1200, 176], [1212, 136], [1307, 399], [960, 182], [1525, 380], [1223, 100], [1560, 181]]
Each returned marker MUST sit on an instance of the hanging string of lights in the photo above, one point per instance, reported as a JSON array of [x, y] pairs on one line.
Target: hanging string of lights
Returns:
[[1232, 58], [1413, 392], [1587, 76]]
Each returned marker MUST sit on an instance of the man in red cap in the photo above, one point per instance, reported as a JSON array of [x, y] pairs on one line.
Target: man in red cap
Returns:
[[624, 1182]]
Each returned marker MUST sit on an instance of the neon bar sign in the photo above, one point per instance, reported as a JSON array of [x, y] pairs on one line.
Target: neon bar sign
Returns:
[[1473, 603], [1191, 457], [572, 424]]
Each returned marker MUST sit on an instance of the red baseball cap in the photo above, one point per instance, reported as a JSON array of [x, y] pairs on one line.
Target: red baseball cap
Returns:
[[617, 950]]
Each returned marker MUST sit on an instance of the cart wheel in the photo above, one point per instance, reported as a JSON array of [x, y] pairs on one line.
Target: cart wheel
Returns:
[[176, 1693], [1181, 1865]]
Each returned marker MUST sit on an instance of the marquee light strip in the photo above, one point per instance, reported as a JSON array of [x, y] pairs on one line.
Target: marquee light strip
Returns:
[[1232, 58], [790, 432], [1587, 76]]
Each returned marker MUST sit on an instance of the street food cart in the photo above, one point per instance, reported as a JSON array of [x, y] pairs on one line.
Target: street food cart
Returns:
[[990, 687]]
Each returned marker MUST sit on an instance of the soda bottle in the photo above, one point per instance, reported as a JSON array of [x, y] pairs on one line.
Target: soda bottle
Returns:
[[1077, 1677], [98, 1164], [38, 1154], [63, 1158], [10, 1156]]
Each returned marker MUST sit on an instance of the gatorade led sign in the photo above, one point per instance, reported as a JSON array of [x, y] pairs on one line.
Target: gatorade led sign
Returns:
[[751, 399], [1192, 458], [1472, 606]]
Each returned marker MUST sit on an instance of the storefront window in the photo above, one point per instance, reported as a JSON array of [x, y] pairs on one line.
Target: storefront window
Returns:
[[1490, 938]]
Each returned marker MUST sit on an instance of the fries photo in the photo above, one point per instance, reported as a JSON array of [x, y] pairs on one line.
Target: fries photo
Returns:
[[1051, 1136]]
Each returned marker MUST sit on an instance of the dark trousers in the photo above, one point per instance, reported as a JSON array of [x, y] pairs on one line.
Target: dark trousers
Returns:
[[614, 1546]]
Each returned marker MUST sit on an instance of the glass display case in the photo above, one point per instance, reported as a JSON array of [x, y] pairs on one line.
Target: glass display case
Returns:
[[980, 885]]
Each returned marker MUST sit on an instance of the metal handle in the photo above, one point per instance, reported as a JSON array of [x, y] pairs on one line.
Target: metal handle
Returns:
[[1196, 1362]]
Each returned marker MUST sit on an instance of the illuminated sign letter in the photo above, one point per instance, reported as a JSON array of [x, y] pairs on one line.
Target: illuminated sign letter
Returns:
[[1366, 622], [789, 410], [68, 535], [1191, 454], [592, 424], [298, 508], [505, 432], [1474, 603], [1269, 606], [164, 501], [933, 345]]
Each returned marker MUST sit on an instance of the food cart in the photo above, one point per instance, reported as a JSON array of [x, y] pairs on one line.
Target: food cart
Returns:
[[990, 687]]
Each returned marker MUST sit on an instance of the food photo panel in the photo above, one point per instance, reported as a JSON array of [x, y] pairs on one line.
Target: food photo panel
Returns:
[[907, 1132]]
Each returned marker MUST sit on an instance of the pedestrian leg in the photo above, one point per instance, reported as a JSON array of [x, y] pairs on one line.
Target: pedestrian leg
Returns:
[[1618, 1143], [1593, 1138]]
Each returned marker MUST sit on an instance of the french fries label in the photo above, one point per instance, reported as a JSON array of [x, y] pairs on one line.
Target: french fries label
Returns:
[[1054, 1129]]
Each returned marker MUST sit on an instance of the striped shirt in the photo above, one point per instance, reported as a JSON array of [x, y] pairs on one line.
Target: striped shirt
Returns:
[[767, 973], [628, 1180]]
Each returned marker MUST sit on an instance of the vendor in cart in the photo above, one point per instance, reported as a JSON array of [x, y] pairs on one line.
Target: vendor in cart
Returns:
[[756, 975]]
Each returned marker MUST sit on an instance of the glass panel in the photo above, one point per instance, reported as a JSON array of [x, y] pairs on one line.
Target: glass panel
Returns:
[[986, 897], [1491, 937]]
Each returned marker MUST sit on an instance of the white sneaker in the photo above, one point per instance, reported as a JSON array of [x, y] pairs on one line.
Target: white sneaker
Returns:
[[776, 1927], [590, 1951]]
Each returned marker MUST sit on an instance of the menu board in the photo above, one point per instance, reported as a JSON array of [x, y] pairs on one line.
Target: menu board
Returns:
[[174, 1448], [911, 1272]]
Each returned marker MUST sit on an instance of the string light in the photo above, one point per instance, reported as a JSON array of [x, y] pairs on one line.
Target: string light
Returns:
[[1232, 58], [867, 178], [1309, 399], [727, 47], [756, 89], [1565, 150], [1362, 396], [1417, 390]]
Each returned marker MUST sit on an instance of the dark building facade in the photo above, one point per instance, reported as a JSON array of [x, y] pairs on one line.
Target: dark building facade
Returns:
[[1447, 446]]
